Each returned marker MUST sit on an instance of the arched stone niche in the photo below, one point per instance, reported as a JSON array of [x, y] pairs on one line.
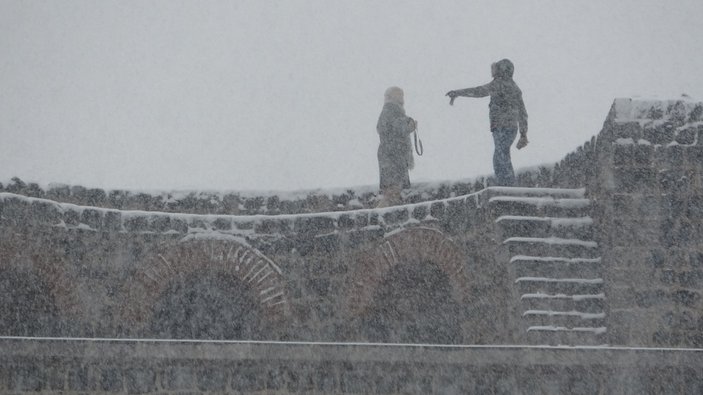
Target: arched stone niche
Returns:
[[411, 288], [36, 296], [206, 288]]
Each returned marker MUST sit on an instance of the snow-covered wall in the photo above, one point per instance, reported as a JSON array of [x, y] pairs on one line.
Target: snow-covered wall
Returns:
[[319, 276], [444, 268]]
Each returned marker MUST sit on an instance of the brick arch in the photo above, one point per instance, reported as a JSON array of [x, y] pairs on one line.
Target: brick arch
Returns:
[[37, 297], [49, 266], [193, 257], [416, 245]]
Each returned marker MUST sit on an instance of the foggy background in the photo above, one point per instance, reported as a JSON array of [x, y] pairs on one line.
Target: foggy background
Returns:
[[285, 95]]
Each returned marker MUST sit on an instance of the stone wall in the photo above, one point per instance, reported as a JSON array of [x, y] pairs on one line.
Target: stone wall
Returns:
[[94, 272], [650, 169], [76, 367], [440, 269]]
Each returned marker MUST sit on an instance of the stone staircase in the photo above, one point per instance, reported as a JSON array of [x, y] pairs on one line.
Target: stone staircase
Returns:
[[555, 265]]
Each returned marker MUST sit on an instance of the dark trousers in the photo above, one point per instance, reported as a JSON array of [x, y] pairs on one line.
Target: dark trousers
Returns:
[[503, 139]]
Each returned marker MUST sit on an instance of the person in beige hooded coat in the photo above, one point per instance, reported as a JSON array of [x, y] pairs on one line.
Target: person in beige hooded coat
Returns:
[[395, 156]]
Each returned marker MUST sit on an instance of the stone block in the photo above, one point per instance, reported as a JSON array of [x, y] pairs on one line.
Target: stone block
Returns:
[[314, 225], [675, 156], [139, 380], [43, 212], [56, 378], [79, 379], [222, 223], [345, 221], [623, 155], [642, 155], [396, 216], [635, 179], [212, 379], [661, 134], [266, 226], [420, 212], [92, 218], [686, 297], [623, 204], [26, 378], [71, 217], [619, 130], [325, 379], [249, 376], [112, 221], [456, 216], [649, 206], [361, 220], [694, 156], [437, 210], [178, 224], [686, 136], [179, 378], [111, 379], [651, 297], [241, 225], [136, 224]]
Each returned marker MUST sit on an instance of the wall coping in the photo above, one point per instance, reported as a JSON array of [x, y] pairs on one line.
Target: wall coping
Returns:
[[518, 355]]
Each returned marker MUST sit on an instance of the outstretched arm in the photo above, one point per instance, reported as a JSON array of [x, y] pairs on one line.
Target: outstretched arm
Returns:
[[479, 91]]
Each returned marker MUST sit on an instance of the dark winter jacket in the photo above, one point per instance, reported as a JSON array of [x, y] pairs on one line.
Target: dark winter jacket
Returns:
[[506, 108]]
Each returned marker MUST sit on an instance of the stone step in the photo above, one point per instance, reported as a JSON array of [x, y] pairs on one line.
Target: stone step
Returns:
[[552, 246], [539, 206], [558, 269], [527, 226], [555, 336], [591, 303], [555, 286]]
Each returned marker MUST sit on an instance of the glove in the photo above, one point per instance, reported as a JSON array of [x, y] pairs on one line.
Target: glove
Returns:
[[522, 142], [452, 95]]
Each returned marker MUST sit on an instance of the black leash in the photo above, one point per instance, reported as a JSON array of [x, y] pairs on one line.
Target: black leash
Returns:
[[418, 142]]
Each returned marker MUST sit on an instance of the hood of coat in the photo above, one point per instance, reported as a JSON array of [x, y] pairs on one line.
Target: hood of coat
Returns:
[[502, 69], [394, 95]]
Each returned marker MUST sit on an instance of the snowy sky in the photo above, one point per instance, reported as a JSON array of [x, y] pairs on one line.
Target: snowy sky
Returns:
[[285, 95]]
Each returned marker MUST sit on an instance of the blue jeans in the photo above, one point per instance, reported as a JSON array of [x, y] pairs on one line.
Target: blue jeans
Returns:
[[502, 166]]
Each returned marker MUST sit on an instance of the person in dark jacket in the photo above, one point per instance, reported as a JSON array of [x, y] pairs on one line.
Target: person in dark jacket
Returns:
[[507, 115], [395, 157]]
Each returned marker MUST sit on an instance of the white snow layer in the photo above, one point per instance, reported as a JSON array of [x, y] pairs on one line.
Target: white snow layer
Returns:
[[574, 193], [572, 313], [560, 280], [540, 295], [552, 241], [555, 222], [528, 258], [595, 330], [544, 201], [628, 110]]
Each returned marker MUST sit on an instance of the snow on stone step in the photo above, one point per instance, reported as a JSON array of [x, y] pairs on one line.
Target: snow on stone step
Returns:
[[550, 328], [544, 201], [554, 222], [552, 241], [572, 193], [560, 280], [579, 227], [540, 295], [573, 313], [528, 258]]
